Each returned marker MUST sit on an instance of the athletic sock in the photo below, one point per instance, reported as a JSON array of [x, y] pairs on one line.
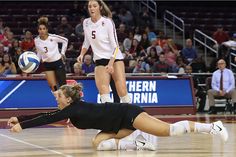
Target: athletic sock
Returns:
[[125, 99], [105, 98], [202, 127]]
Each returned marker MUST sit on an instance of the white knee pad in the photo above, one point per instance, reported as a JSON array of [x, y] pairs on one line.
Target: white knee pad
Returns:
[[105, 98], [125, 99], [185, 124], [107, 145], [179, 128]]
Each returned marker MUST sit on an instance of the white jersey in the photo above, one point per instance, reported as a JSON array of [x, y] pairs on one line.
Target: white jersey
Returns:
[[47, 50], [102, 38]]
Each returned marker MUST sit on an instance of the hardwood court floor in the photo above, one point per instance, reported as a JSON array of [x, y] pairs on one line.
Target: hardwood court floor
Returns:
[[59, 140]]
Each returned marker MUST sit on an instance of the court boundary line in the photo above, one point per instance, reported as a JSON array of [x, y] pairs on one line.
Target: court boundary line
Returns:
[[36, 146]]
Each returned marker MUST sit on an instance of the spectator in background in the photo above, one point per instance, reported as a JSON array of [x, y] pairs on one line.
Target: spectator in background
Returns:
[[161, 66], [7, 38], [142, 66], [125, 16], [88, 66], [135, 50], [172, 46], [78, 69], [7, 66], [137, 34], [157, 48], [1, 26], [3, 36], [15, 51], [145, 17], [151, 35], [79, 31], [169, 55], [161, 39], [198, 65], [121, 33], [75, 11], [64, 28], [231, 48], [220, 35], [152, 57], [1, 52], [189, 52], [179, 66], [128, 41], [223, 84], [199, 91], [27, 44], [144, 41]]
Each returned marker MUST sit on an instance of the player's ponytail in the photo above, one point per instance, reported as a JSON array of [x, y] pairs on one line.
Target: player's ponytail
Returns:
[[73, 91], [43, 21]]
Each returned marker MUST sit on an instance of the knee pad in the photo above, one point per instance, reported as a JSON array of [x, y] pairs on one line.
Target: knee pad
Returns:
[[185, 124], [107, 145], [105, 98], [176, 129], [125, 99]]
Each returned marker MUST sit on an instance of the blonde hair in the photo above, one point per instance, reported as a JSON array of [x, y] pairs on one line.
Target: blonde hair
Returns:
[[73, 91], [105, 11], [43, 21]]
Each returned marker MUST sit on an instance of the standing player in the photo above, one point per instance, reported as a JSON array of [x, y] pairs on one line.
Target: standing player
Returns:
[[100, 33], [47, 49]]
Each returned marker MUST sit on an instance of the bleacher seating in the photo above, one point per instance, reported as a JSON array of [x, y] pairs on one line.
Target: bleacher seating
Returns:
[[205, 16]]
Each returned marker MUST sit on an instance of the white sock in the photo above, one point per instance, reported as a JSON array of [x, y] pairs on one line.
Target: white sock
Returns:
[[105, 98], [125, 99], [202, 127], [125, 144]]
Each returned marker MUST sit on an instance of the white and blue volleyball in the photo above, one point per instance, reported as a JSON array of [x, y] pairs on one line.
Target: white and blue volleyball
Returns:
[[28, 62]]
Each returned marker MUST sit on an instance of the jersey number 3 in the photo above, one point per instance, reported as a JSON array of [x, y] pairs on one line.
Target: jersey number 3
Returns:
[[46, 50], [93, 34]]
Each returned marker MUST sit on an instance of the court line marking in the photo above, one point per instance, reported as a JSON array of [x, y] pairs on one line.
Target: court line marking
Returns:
[[13, 90], [36, 146]]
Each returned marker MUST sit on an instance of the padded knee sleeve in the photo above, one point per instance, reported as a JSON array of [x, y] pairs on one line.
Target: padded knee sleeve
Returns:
[[105, 98], [176, 129], [125, 99], [107, 145], [185, 124]]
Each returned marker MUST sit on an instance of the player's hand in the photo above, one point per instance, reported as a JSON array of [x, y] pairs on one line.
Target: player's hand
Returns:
[[109, 69], [12, 121], [16, 128], [80, 59]]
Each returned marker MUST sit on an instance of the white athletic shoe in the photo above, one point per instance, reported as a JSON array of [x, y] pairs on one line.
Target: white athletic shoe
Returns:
[[143, 144], [219, 129]]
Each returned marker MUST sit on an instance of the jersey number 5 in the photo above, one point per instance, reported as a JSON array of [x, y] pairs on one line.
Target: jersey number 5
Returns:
[[93, 34]]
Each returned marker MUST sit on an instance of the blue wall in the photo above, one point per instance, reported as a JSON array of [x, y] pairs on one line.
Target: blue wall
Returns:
[[154, 92]]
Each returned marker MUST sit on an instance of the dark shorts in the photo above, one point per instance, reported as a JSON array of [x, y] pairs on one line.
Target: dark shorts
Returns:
[[132, 112], [54, 65], [104, 62]]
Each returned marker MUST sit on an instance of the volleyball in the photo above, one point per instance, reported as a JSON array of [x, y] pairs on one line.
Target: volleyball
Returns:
[[28, 62]]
